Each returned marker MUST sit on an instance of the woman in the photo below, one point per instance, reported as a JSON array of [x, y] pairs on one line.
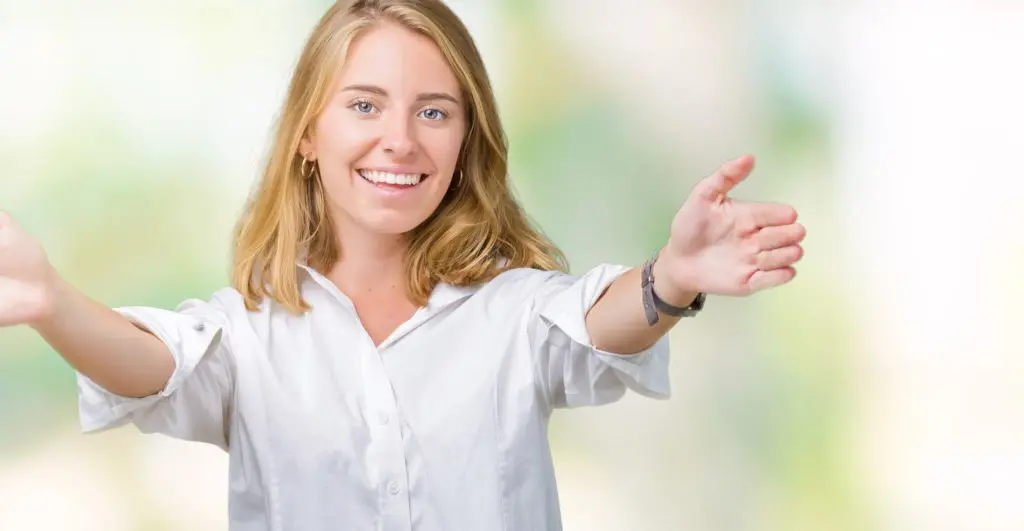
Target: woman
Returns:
[[397, 334]]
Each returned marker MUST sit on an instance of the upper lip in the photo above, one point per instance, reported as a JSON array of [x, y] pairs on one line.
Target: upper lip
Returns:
[[399, 170]]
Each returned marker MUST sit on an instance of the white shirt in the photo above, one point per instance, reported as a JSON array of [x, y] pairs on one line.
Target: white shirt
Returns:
[[441, 427]]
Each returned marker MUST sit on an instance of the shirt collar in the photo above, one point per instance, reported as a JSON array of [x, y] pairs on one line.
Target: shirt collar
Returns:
[[443, 294]]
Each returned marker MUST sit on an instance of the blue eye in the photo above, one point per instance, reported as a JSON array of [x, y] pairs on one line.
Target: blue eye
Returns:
[[363, 107], [434, 114]]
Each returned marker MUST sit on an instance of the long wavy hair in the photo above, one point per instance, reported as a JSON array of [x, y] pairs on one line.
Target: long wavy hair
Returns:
[[478, 230]]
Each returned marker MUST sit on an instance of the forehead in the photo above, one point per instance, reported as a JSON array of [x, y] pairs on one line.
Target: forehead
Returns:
[[398, 60]]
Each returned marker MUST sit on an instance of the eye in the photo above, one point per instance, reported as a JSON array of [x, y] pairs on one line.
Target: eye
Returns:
[[362, 107], [433, 114]]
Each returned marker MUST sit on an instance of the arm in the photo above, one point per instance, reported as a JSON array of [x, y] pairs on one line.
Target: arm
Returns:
[[717, 246], [104, 346], [617, 322], [95, 340], [570, 370]]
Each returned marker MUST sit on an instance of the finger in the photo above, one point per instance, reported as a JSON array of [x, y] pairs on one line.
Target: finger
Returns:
[[777, 237], [779, 258], [726, 178], [762, 280], [769, 214]]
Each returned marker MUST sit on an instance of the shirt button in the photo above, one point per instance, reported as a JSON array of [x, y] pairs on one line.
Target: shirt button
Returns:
[[383, 419], [394, 489], [199, 327]]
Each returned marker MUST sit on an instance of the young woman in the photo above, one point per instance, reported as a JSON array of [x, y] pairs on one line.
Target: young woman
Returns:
[[397, 334]]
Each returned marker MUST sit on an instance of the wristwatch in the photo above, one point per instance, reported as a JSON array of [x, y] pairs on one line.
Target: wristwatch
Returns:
[[653, 304]]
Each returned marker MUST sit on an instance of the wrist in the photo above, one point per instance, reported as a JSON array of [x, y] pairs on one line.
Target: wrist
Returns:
[[670, 283], [53, 296]]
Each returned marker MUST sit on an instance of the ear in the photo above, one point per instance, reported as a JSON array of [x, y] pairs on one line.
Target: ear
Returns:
[[306, 149]]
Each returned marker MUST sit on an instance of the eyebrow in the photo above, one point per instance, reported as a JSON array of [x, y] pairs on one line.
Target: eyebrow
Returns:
[[426, 96]]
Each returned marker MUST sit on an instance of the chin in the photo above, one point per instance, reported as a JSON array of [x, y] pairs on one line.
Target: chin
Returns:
[[393, 223]]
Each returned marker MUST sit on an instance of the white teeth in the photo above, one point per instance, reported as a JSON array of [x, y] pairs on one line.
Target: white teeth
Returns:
[[406, 179]]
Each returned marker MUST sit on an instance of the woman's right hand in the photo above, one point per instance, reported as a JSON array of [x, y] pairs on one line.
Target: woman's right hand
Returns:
[[28, 283]]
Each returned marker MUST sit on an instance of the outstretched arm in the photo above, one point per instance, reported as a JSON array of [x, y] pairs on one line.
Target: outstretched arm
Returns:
[[94, 339], [718, 246]]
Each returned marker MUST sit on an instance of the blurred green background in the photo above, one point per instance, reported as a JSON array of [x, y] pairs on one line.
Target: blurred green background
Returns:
[[879, 391]]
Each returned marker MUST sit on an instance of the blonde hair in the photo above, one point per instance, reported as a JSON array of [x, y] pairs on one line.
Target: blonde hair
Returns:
[[478, 230]]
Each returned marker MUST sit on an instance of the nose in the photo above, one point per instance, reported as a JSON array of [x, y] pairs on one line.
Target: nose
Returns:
[[399, 137]]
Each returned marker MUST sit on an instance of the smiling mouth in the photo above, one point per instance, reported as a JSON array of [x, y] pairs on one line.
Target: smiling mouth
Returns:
[[392, 180]]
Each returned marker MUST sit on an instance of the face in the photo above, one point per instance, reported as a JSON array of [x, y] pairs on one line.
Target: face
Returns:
[[388, 141]]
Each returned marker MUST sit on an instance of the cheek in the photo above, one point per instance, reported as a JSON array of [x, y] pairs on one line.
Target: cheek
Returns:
[[340, 141], [443, 147], [346, 146]]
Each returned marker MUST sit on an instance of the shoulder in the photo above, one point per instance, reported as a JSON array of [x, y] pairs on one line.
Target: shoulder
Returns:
[[226, 309], [224, 301], [517, 286], [528, 284], [524, 278]]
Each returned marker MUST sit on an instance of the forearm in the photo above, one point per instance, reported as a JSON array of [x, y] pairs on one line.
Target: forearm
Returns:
[[617, 322], [103, 345]]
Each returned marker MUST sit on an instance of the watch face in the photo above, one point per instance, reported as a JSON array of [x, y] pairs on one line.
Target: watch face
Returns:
[[698, 303]]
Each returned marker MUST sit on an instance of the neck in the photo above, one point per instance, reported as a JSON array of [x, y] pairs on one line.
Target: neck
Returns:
[[370, 264]]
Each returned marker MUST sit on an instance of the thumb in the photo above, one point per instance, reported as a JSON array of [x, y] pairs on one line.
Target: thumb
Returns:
[[730, 174]]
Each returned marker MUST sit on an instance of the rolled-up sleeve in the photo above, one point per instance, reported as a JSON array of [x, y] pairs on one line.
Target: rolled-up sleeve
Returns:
[[570, 370], [196, 402]]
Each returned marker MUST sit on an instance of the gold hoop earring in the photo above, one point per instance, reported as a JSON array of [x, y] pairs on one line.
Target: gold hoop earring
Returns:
[[312, 168]]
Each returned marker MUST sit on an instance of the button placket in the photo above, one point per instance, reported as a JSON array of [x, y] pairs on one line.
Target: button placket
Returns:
[[386, 435]]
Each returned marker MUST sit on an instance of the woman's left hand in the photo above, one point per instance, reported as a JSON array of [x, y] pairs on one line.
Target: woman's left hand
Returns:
[[719, 245]]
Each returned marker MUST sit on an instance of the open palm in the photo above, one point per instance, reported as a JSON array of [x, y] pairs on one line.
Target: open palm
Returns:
[[723, 246]]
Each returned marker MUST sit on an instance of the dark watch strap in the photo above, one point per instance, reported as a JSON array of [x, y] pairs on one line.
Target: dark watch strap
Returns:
[[653, 304]]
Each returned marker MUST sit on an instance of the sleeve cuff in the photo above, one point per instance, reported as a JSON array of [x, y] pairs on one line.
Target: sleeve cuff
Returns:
[[645, 372], [188, 337]]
